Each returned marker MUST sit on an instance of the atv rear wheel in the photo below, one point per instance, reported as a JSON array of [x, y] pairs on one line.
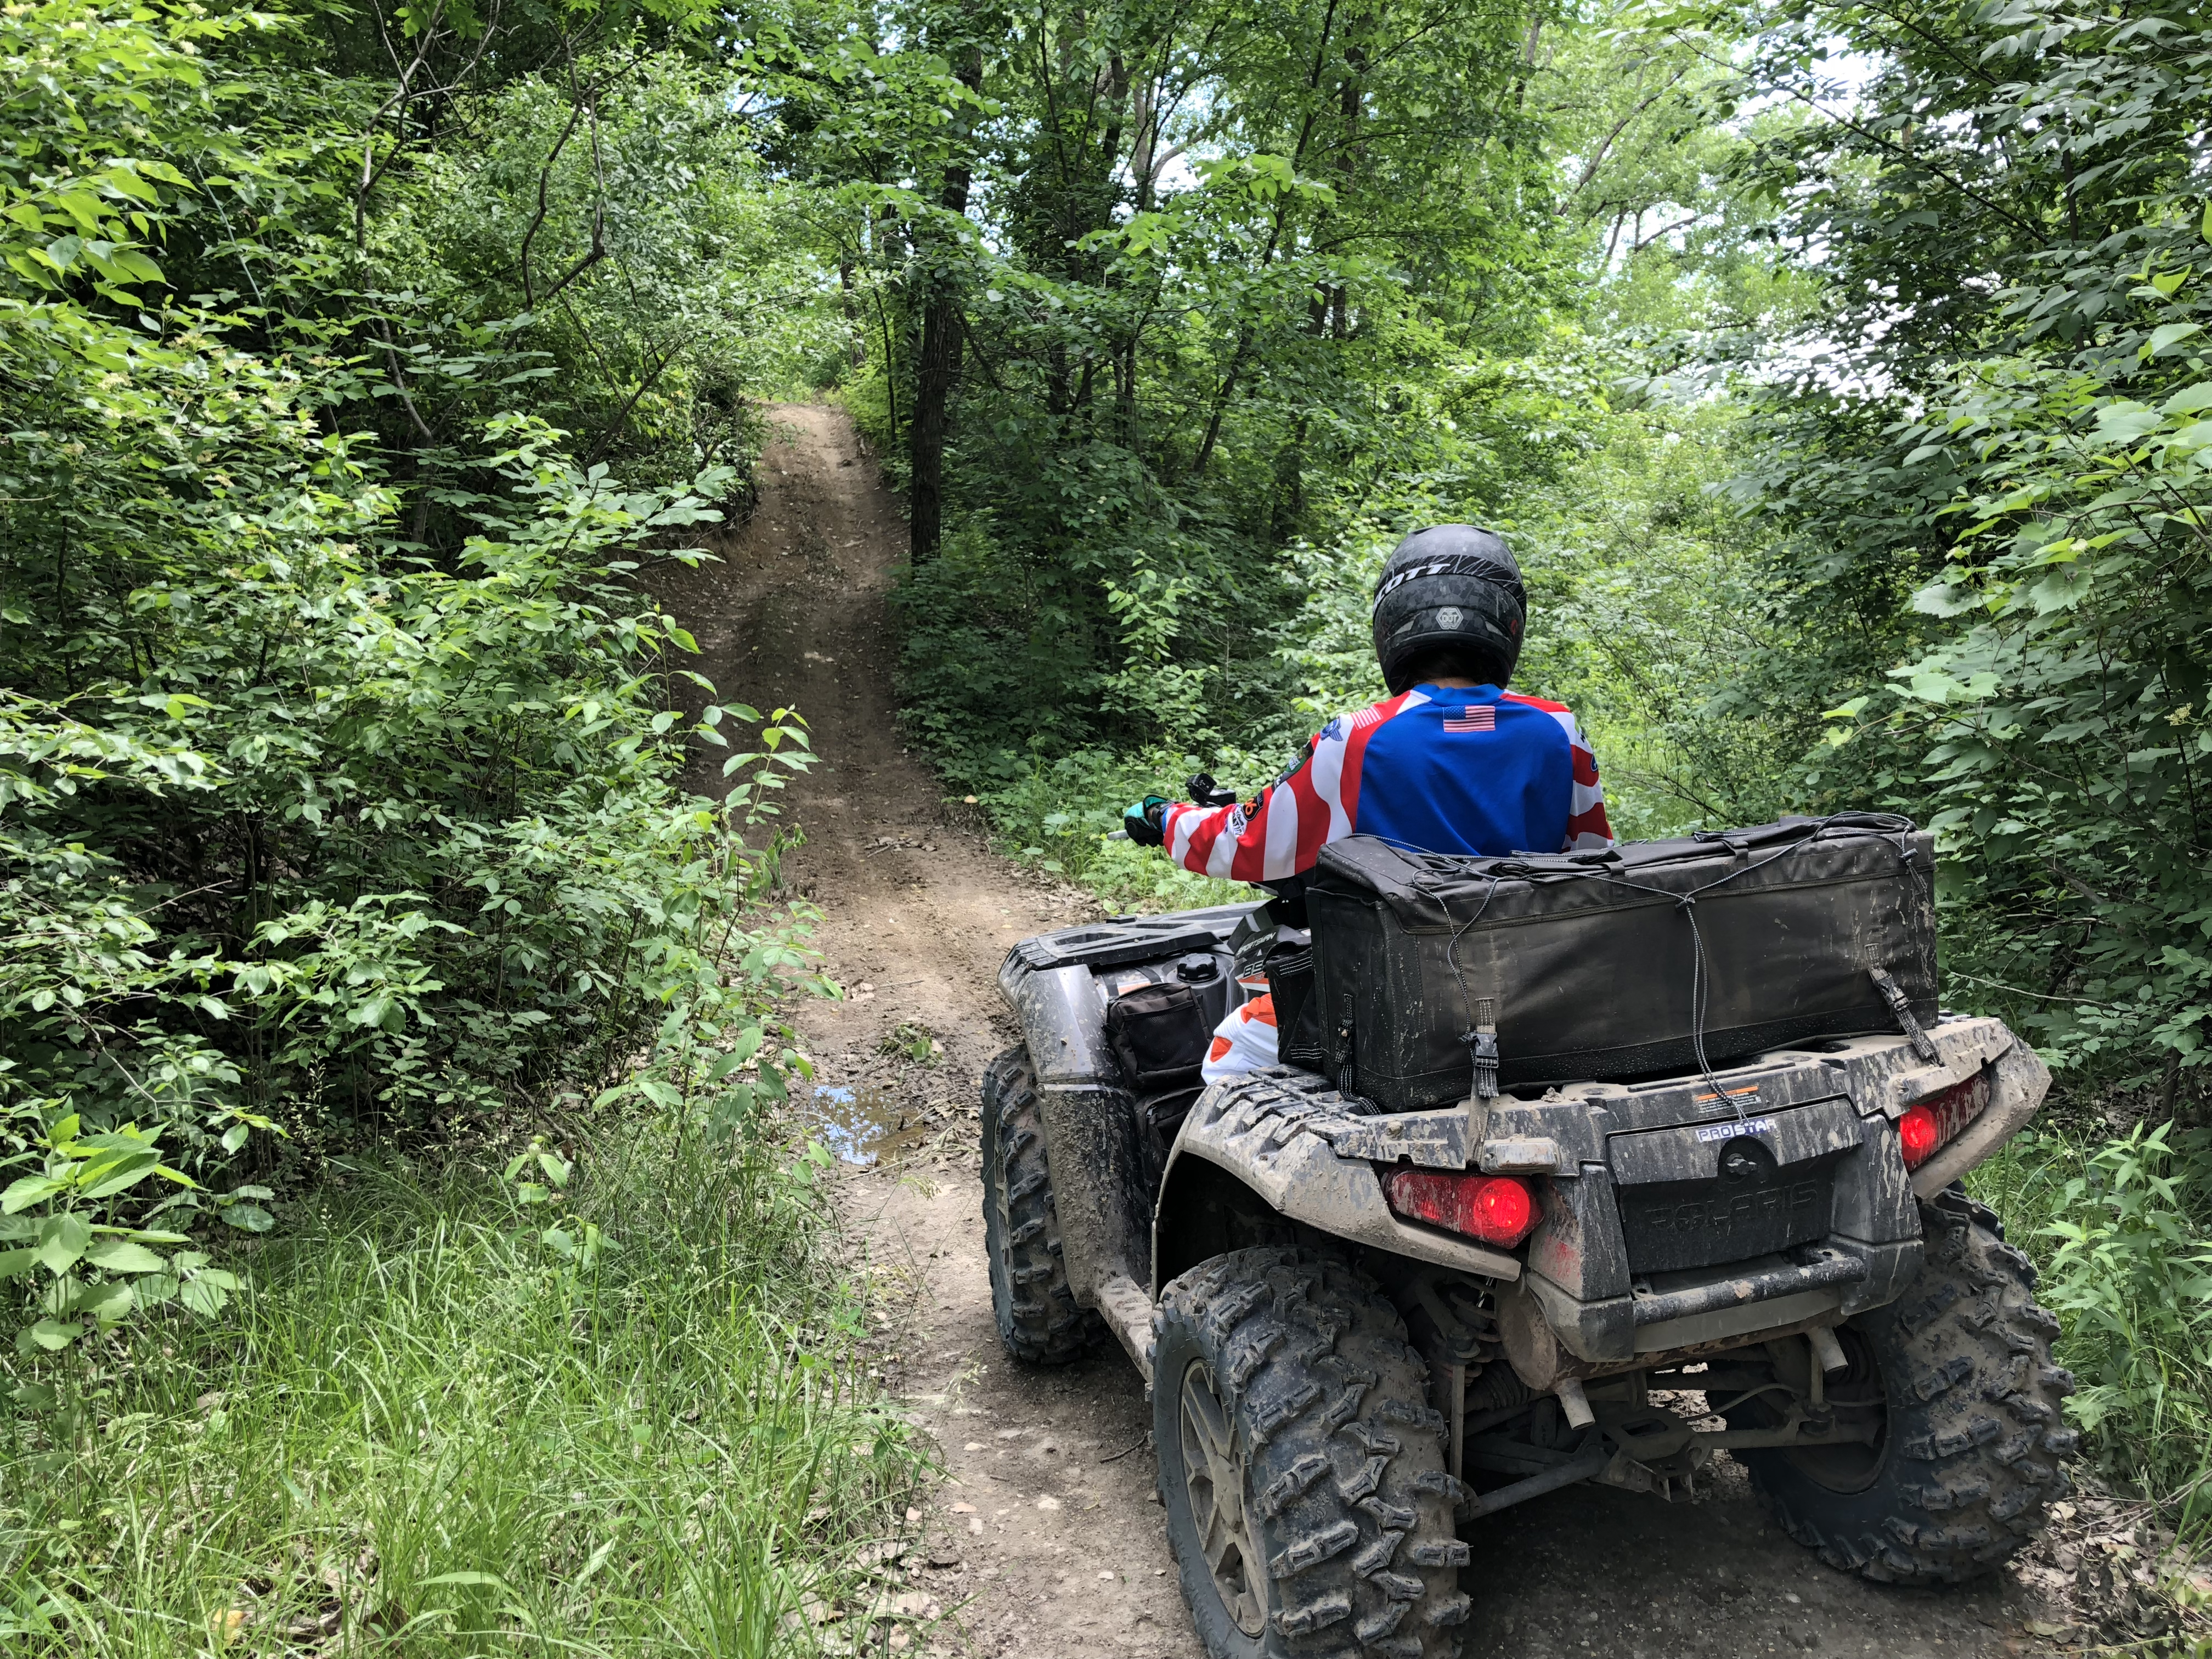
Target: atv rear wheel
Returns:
[[1038, 1320], [1301, 1466], [1971, 1439]]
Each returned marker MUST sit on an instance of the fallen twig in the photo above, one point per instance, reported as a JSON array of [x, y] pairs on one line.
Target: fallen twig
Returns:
[[1126, 1450]]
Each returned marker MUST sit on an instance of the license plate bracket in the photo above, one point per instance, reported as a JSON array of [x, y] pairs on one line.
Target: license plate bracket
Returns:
[[1701, 1194]]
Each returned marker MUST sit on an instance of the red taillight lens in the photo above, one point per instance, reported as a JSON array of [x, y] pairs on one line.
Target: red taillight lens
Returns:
[[1496, 1209], [1936, 1121], [1919, 1134]]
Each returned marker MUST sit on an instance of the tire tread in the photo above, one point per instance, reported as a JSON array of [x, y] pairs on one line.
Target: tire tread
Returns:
[[1347, 1480], [1973, 1350], [1038, 1320]]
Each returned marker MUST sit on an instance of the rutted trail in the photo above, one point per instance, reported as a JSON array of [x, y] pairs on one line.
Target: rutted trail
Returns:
[[1045, 1536]]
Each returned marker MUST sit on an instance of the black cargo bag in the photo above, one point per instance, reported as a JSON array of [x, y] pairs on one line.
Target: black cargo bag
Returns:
[[1158, 1033], [1621, 963], [1299, 1039]]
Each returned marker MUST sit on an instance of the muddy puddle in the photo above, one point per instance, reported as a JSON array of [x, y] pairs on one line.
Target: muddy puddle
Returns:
[[863, 1123]]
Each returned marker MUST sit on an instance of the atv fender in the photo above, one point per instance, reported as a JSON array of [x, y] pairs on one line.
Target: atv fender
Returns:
[[1268, 1132], [1100, 1186], [2018, 1078]]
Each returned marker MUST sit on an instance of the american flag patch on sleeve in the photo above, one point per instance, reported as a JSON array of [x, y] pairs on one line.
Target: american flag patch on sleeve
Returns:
[[1475, 717]]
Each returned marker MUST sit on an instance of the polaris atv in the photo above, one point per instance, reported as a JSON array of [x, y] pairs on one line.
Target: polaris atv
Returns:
[[1364, 1317]]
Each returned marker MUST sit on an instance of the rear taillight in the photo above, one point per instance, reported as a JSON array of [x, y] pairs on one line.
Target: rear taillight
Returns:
[[1496, 1209], [1927, 1125]]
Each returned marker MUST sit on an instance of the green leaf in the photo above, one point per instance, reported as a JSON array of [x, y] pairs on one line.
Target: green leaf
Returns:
[[123, 1173], [2125, 421], [120, 1255], [1944, 599], [13, 1264], [54, 1335], [61, 1243], [247, 1218], [2167, 334], [202, 1295], [30, 1190], [108, 1303]]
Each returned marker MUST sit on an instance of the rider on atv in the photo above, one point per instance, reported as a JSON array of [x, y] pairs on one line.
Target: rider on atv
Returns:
[[1450, 761]]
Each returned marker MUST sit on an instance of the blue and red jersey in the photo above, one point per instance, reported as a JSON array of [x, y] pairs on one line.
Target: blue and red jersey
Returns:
[[1481, 771]]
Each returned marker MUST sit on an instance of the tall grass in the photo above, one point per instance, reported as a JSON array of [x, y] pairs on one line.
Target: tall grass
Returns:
[[433, 1432], [2123, 1233]]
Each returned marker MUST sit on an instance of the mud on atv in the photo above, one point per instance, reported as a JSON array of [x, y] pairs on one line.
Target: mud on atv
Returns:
[[1360, 1327]]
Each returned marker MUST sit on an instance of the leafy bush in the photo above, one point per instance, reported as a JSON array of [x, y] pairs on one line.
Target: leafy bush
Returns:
[[337, 746], [2120, 1230], [2063, 707]]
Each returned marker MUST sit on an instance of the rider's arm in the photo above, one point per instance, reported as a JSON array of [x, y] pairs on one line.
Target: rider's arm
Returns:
[[1278, 833], [1587, 829]]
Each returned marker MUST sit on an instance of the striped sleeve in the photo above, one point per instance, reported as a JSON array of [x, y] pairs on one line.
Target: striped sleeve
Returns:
[[1282, 831], [1587, 829]]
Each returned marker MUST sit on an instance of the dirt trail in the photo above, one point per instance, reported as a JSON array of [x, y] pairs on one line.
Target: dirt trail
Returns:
[[1047, 1540]]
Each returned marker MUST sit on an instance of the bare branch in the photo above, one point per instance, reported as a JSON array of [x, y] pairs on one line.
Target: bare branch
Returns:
[[1590, 171]]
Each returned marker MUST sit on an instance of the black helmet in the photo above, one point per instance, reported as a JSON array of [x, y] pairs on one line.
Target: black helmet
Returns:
[[1450, 587]]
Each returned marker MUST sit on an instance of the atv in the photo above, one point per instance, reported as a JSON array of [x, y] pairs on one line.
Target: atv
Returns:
[[1364, 1322]]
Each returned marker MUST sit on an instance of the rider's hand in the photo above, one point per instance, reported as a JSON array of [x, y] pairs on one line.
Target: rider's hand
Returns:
[[1140, 820]]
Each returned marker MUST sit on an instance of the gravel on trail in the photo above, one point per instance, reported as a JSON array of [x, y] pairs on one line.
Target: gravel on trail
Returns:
[[1044, 1537]]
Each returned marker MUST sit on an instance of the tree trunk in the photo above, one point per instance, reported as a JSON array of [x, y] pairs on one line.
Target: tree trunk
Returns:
[[938, 369]]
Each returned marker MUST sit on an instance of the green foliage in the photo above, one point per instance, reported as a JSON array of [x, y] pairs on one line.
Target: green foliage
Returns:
[[2127, 1258], [97, 1275], [2064, 703], [337, 741], [1165, 370], [1996, 559], [619, 1404]]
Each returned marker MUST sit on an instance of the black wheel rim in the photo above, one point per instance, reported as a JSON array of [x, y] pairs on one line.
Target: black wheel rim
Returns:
[[1214, 1479]]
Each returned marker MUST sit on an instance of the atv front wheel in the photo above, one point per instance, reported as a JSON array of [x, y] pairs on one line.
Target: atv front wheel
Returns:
[[1301, 1465], [1958, 1377], [1038, 1320]]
